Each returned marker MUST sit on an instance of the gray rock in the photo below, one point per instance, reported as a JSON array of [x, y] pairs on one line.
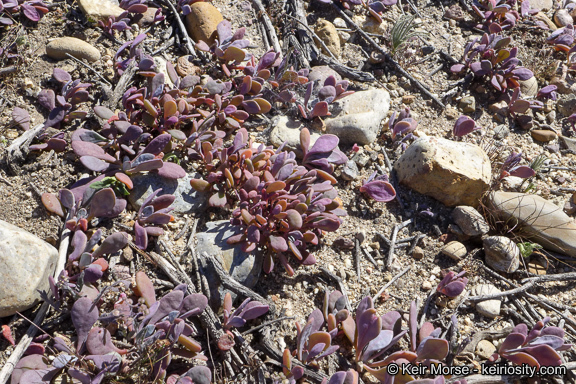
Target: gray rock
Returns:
[[100, 9], [361, 158], [26, 262], [454, 173], [502, 254], [567, 106], [350, 170], [288, 130], [501, 132], [562, 18], [187, 199], [58, 48], [470, 221], [485, 349], [529, 88], [357, 118], [536, 219], [467, 104], [242, 267], [321, 73], [454, 250], [569, 144], [488, 308]]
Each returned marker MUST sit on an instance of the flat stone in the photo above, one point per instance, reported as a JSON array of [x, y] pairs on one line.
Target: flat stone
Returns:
[[357, 118], [529, 88], [502, 254], [488, 308], [535, 219], [350, 170], [526, 122], [243, 267], [455, 173], [502, 131], [543, 135], [202, 22], [470, 221], [485, 349], [288, 131], [327, 32], [569, 143], [58, 48], [454, 250], [454, 13], [26, 262], [187, 199], [100, 9], [467, 104], [321, 72], [543, 5]]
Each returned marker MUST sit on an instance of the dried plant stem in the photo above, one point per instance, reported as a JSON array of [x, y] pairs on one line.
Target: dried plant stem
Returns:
[[341, 286], [397, 228], [319, 40], [267, 25], [500, 295], [399, 275], [89, 67], [182, 27], [25, 341], [389, 58], [267, 324], [17, 151]]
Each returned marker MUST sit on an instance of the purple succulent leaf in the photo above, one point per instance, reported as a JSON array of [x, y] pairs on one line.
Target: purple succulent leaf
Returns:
[[169, 303], [94, 164], [171, 170], [522, 171], [111, 244], [377, 344], [512, 341], [158, 144], [379, 190], [84, 315], [369, 326], [79, 241], [432, 348], [235, 322], [85, 148], [320, 109], [324, 144], [140, 236], [523, 73], [463, 126], [21, 117], [254, 310], [47, 99]]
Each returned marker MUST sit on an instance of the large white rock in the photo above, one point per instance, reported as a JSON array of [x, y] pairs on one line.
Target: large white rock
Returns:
[[99, 9], [455, 173], [26, 262], [535, 218], [488, 308], [357, 118]]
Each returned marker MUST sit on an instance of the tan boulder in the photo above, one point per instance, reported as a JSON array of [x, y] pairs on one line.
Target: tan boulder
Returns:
[[327, 32], [58, 48], [202, 22]]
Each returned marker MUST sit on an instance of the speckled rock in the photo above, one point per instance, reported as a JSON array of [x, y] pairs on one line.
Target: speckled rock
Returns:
[[455, 173], [536, 219], [187, 199], [350, 170], [202, 21], [58, 48], [357, 118], [485, 349], [327, 32], [543, 5], [454, 250], [99, 9], [145, 19], [470, 221], [185, 67], [488, 308], [26, 262], [242, 267], [467, 104], [502, 254]]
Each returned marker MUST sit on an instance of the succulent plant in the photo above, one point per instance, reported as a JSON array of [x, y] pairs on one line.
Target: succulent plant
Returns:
[[512, 167], [377, 7], [379, 188], [463, 126], [496, 62], [153, 211], [332, 90], [248, 310], [452, 284], [312, 344], [33, 10], [425, 347], [403, 124], [342, 377], [229, 47], [548, 92], [539, 347], [63, 107]]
